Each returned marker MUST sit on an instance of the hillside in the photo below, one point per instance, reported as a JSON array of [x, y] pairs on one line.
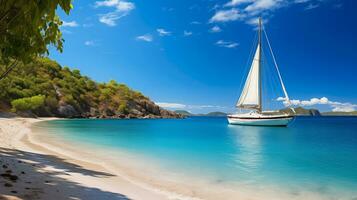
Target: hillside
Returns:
[[302, 111], [44, 88], [216, 114], [183, 112], [210, 114], [354, 113]]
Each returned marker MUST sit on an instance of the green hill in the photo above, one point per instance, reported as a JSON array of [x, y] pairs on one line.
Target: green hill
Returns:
[[183, 112], [210, 114], [302, 111], [216, 114], [44, 88], [353, 113]]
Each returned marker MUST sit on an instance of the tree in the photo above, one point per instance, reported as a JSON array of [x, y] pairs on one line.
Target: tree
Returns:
[[27, 28], [28, 103]]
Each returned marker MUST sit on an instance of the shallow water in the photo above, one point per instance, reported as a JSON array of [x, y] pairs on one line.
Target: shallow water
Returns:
[[316, 154]]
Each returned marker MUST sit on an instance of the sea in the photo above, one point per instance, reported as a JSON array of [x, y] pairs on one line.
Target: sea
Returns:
[[313, 155]]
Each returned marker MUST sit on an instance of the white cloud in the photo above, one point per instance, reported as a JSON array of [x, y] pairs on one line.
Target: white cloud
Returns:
[[162, 32], [171, 105], [226, 15], [246, 10], [311, 6], [120, 5], [69, 24], [238, 2], [108, 3], [226, 44], [195, 22], [89, 43], [255, 21], [146, 38], [261, 5], [215, 29], [184, 106], [187, 33], [122, 9], [301, 1], [336, 106], [110, 18]]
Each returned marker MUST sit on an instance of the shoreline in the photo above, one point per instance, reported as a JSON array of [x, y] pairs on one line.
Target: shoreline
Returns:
[[127, 180], [51, 175], [62, 169]]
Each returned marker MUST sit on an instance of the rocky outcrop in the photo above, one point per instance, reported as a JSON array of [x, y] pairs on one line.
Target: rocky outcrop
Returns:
[[141, 109], [67, 111]]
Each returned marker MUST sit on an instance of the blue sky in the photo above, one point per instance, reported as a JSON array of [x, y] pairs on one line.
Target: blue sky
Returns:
[[193, 55]]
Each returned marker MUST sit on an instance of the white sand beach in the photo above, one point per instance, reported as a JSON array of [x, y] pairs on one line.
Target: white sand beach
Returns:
[[30, 171]]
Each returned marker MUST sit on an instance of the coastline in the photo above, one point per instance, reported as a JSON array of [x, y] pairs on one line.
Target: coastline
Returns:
[[58, 170], [46, 174]]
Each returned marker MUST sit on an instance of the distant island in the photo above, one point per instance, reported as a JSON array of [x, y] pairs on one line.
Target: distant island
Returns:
[[43, 88], [300, 111], [210, 114], [353, 113]]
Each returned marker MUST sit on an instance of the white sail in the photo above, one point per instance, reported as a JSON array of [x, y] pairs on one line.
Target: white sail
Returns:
[[250, 97]]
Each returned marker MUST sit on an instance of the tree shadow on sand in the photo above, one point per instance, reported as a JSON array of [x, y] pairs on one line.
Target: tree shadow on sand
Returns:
[[23, 175]]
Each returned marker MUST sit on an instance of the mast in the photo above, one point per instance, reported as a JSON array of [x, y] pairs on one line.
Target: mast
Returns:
[[251, 96], [260, 64]]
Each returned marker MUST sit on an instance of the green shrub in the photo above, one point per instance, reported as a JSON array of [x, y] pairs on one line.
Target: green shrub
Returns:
[[28, 103], [123, 108]]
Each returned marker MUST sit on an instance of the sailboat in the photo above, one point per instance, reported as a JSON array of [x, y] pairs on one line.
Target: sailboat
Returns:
[[251, 95]]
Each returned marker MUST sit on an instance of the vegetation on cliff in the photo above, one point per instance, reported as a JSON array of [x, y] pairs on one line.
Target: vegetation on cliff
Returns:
[[44, 88]]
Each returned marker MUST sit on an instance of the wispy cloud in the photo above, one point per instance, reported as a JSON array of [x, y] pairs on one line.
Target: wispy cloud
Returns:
[[69, 24], [195, 22], [162, 32], [226, 44], [311, 6], [145, 38], [187, 33], [89, 43], [245, 10], [185, 106], [238, 2], [227, 15], [215, 29], [121, 9], [335, 105]]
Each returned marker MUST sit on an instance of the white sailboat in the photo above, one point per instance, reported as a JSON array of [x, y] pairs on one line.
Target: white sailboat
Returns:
[[251, 96]]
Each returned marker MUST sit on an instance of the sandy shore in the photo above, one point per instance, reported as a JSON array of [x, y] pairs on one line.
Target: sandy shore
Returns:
[[31, 171]]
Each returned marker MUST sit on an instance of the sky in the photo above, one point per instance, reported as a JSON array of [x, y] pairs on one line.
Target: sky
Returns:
[[193, 54]]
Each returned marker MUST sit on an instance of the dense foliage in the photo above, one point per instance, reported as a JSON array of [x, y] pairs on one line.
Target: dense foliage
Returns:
[[28, 103], [27, 27], [44, 88]]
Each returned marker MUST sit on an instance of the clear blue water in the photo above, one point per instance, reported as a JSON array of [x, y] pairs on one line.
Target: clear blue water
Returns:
[[316, 153]]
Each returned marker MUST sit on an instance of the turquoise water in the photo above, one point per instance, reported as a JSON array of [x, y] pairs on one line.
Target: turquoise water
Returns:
[[318, 154]]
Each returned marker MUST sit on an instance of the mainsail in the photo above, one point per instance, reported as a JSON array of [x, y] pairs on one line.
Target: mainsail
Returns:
[[250, 97]]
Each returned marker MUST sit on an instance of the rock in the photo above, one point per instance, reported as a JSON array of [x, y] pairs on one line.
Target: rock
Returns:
[[94, 112], [67, 111], [8, 185], [9, 177], [136, 112]]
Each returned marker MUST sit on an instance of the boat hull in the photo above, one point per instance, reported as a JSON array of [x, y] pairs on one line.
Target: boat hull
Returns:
[[254, 121]]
